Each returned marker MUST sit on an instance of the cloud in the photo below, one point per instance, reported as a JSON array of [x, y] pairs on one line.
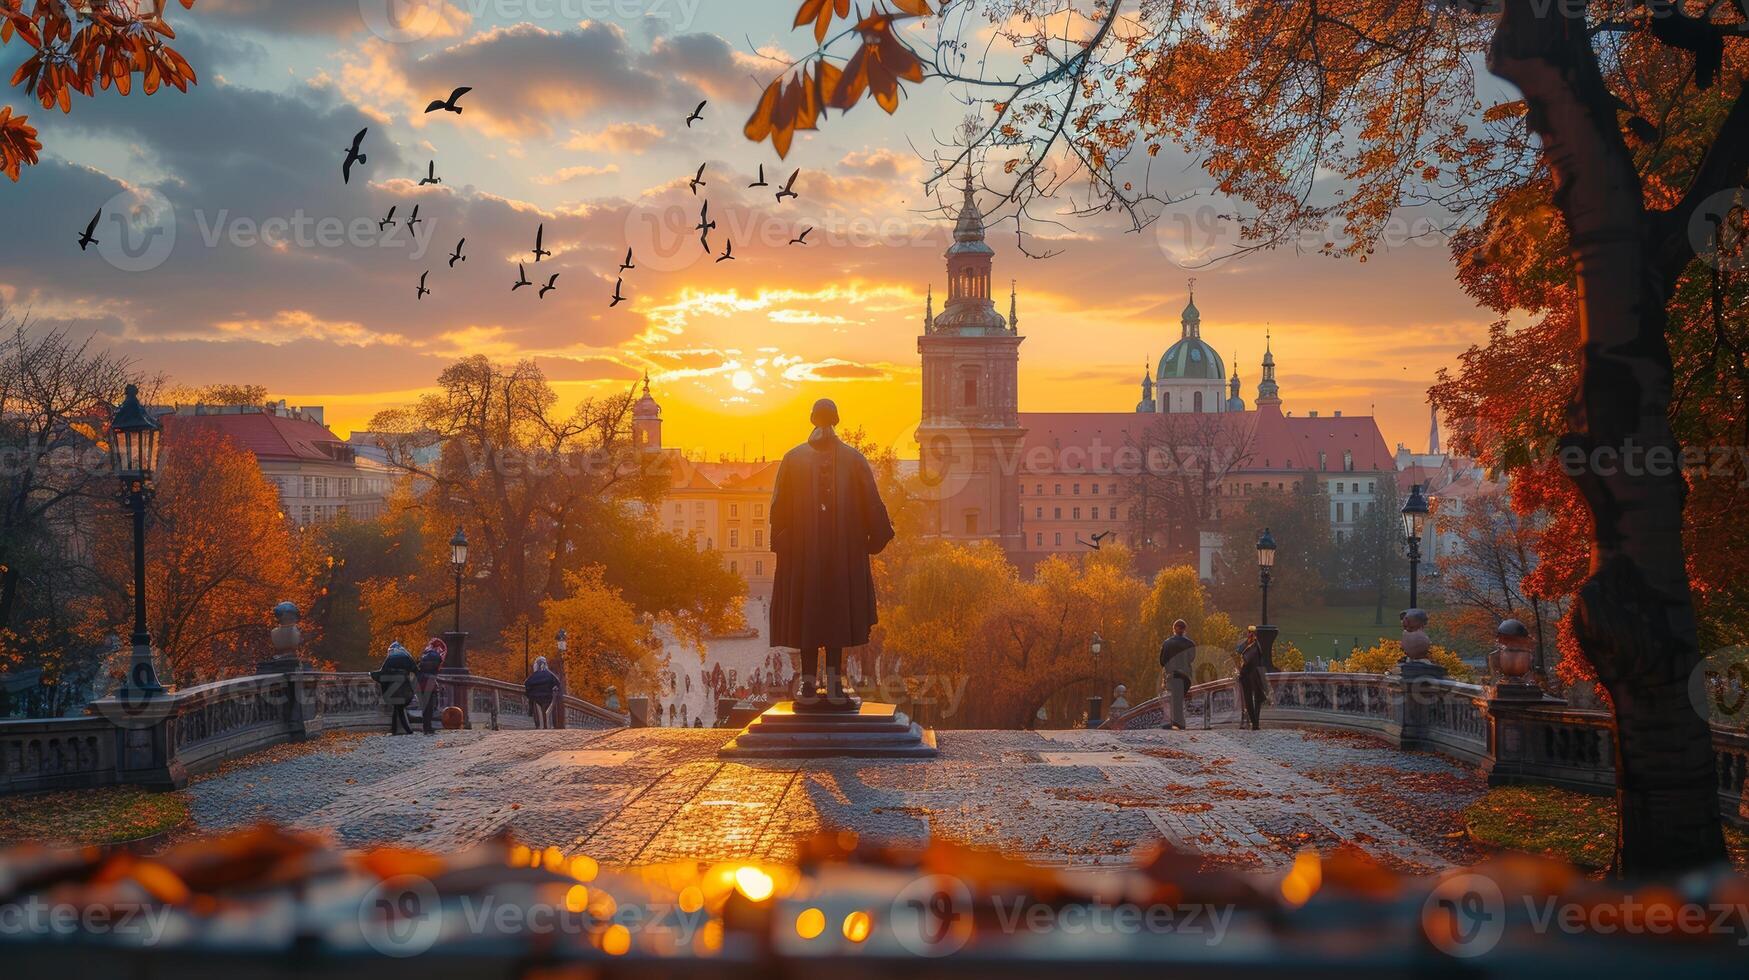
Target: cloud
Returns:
[[428, 19], [289, 326], [569, 175], [625, 137], [836, 369]]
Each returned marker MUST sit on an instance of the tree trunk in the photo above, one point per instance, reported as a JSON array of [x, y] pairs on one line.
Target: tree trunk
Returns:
[[1634, 615]]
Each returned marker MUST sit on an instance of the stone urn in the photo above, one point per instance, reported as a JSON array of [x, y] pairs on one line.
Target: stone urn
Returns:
[[286, 638], [1513, 656], [1417, 646]]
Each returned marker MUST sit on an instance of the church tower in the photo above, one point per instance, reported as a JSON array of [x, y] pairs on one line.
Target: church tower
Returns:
[[647, 421], [970, 437], [1267, 392]]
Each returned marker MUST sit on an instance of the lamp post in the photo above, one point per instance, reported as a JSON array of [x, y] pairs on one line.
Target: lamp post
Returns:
[[455, 659], [1265, 632], [562, 642], [1096, 703], [1414, 521], [133, 449]]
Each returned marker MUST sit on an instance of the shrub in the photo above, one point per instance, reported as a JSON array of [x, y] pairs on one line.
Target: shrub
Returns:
[[1380, 658]]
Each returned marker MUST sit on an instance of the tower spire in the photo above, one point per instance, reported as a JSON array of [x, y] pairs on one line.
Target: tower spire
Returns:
[[929, 310], [1267, 391], [1433, 431], [1013, 308]]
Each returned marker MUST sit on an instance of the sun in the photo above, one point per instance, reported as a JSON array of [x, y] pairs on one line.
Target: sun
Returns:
[[742, 380]]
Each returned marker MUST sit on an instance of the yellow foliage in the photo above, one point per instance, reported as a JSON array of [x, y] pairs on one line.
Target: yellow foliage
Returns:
[[1384, 655]]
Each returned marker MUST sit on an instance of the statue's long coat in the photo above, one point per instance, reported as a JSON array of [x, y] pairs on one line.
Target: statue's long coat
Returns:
[[826, 520]]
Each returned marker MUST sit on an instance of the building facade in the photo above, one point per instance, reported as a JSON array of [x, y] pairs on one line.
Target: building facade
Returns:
[[320, 477], [721, 505], [1041, 483]]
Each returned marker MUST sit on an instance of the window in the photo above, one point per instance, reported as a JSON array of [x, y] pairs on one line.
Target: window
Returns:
[[1196, 402], [758, 537], [1323, 460], [1113, 490], [734, 510], [759, 567], [1076, 514], [698, 507], [1339, 512], [971, 522], [970, 398], [1038, 489], [1076, 490], [1039, 512], [1348, 461], [1058, 490], [758, 510], [734, 537], [1059, 537], [735, 567], [678, 508], [1112, 515], [1370, 485], [1056, 513], [1341, 487], [1096, 489], [1039, 539]]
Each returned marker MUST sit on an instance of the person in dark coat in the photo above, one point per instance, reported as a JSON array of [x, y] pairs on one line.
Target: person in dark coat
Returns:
[[430, 664], [542, 686], [1253, 677], [1176, 657], [827, 519], [396, 679]]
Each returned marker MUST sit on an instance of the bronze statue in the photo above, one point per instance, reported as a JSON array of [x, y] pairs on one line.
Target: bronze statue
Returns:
[[827, 519]]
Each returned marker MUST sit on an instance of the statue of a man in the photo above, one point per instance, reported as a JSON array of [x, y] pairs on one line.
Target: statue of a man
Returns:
[[827, 519]]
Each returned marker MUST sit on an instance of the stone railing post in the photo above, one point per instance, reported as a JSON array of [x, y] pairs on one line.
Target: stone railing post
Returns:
[[495, 708], [145, 738]]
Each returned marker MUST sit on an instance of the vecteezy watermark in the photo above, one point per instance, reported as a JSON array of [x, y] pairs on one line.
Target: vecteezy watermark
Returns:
[[137, 232], [1196, 231], [304, 231], [1467, 915], [408, 21], [1719, 686], [934, 916], [1719, 228], [404, 916], [34, 917]]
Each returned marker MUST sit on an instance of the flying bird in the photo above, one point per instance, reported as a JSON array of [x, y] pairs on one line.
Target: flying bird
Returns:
[[430, 175], [728, 251], [787, 191], [550, 286], [521, 279], [388, 219], [1097, 540], [697, 114], [617, 298], [85, 238], [627, 264], [539, 232], [422, 289], [449, 104], [413, 219], [704, 226], [801, 239], [457, 255], [353, 156], [698, 180], [761, 181]]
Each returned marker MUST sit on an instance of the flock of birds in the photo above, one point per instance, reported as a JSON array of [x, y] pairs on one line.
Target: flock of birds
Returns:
[[355, 155]]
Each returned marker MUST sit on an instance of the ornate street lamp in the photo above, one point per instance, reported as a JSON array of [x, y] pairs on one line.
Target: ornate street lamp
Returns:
[[1095, 704], [1265, 562], [133, 450], [1414, 522], [455, 660], [562, 642]]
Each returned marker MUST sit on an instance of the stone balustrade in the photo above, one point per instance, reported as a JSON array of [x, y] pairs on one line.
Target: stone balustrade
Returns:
[[160, 742], [1516, 742]]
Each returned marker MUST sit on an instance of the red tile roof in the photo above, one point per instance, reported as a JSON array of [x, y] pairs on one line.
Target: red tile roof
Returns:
[[270, 437], [1270, 440]]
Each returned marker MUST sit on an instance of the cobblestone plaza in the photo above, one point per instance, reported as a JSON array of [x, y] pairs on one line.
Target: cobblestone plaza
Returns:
[[634, 796]]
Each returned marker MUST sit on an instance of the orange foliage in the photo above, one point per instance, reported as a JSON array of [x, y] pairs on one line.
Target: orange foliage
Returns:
[[83, 47]]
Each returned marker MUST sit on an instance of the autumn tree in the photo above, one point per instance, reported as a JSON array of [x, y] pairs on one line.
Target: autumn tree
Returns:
[[610, 645], [79, 47], [219, 557], [1488, 576], [1272, 98], [1183, 459], [1371, 557]]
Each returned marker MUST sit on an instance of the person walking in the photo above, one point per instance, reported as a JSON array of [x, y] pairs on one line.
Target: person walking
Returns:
[[395, 677], [430, 664], [542, 686], [1176, 655], [1253, 678]]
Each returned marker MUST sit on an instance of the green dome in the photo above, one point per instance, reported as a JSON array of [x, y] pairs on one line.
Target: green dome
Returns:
[[1193, 359]]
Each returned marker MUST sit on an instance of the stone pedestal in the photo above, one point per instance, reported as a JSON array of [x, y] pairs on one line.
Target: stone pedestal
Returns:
[[1266, 639], [455, 657], [873, 731]]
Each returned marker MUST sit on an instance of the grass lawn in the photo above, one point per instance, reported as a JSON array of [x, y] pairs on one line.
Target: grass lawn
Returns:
[[1572, 826], [89, 816], [1313, 629]]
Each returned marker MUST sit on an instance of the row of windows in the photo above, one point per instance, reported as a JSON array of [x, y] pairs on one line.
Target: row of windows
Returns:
[[1371, 487], [1038, 489], [698, 507], [758, 567], [329, 486], [1342, 510], [1074, 513]]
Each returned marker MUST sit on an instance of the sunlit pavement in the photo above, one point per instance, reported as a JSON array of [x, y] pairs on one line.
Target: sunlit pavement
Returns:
[[1242, 799]]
